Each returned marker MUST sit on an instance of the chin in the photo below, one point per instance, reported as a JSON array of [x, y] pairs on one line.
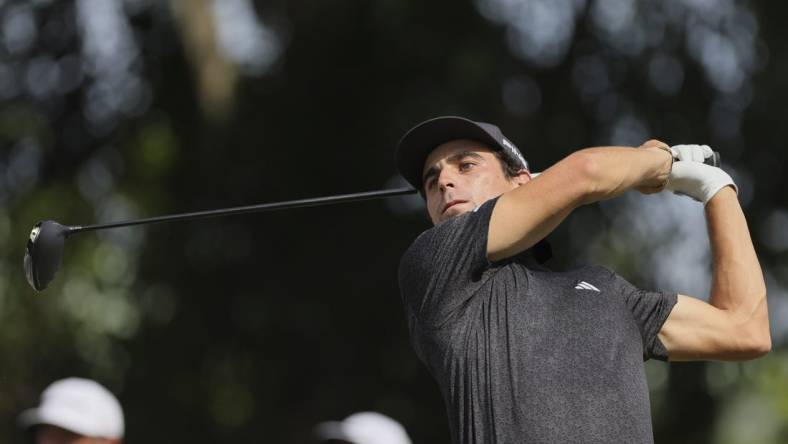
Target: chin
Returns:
[[456, 210]]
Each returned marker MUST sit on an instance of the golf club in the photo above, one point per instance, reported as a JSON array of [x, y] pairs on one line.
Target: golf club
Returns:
[[44, 252]]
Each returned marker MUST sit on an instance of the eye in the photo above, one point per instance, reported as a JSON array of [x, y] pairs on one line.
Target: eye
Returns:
[[464, 166], [429, 183]]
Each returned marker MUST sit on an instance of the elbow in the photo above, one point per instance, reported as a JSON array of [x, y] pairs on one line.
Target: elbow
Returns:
[[755, 339], [765, 347], [756, 348], [761, 345], [759, 331], [745, 348], [587, 174]]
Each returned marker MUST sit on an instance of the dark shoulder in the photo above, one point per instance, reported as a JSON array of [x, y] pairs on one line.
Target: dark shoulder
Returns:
[[422, 252], [434, 236]]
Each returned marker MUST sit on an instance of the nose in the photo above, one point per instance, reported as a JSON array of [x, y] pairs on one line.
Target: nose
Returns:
[[446, 180]]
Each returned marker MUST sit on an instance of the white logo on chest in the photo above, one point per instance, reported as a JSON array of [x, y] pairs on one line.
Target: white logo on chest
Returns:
[[583, 285]]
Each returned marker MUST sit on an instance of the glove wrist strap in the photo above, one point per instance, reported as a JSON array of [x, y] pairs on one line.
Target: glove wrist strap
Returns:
[[673, 156]]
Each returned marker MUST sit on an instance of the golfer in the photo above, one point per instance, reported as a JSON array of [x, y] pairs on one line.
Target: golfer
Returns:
[[523, 354]]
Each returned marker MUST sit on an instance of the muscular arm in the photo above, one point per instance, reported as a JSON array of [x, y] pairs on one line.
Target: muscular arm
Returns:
[[734, 325], [527, 214]]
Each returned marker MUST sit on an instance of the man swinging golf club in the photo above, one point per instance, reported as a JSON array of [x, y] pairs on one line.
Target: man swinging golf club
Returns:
[[523, 354]]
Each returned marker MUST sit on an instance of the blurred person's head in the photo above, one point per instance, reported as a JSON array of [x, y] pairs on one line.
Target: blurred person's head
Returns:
[[75, 411], [362, 428], [458, 164]]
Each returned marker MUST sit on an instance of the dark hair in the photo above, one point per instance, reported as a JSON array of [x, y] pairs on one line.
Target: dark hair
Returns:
[[510, 165]]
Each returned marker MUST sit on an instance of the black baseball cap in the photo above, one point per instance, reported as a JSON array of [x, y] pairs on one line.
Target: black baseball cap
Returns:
[[419, 141]]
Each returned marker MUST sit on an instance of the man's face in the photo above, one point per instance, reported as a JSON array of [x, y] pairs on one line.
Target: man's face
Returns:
[[460, 175]]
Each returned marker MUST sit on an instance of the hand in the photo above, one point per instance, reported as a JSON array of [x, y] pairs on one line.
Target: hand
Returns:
[[697, 180], [656, 184]]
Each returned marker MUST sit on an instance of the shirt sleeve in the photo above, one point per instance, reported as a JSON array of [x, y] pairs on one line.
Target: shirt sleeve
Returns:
[[649, 309], [441, 270]]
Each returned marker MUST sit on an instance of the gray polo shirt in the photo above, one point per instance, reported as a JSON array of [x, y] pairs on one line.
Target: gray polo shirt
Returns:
[[523, 354]]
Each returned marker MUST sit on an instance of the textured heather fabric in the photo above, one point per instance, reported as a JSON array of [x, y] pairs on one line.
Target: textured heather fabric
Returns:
[[520, 354]]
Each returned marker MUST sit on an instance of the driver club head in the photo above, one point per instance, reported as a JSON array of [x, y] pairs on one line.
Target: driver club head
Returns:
[[44, 253]]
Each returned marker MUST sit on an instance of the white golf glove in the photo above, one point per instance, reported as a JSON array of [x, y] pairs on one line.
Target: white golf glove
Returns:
[[692, 153], [698, 180]]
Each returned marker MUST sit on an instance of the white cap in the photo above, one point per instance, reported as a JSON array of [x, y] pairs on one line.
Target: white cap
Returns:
[[78, 405], [365, 428]]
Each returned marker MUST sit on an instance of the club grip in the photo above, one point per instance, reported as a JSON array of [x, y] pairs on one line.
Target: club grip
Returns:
[[713, 160]]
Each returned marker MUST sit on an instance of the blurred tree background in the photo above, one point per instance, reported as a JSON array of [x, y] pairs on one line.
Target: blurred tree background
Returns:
[[254, 328]]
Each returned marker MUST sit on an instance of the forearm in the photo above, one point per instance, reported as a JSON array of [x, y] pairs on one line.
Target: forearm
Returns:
[[734, 325], [614, 170], [738, 285]]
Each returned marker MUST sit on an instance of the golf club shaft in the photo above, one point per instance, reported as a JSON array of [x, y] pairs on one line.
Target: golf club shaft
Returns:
[[369, 195], [713, 160]]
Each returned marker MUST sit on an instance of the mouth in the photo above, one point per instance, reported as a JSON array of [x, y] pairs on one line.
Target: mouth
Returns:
[[452, 203]]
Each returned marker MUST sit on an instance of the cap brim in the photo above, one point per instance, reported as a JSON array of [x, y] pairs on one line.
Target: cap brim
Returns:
[[331, 430], [29, 418], [419, 141], [64, 419]]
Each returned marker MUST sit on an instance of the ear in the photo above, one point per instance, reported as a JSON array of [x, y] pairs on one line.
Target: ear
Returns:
[[522, 177]]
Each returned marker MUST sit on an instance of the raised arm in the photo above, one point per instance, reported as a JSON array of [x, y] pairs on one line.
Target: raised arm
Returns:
[[527, 214], [734, 325]]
